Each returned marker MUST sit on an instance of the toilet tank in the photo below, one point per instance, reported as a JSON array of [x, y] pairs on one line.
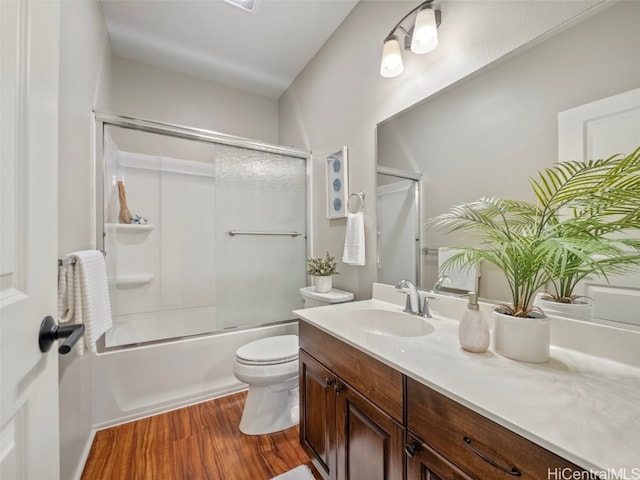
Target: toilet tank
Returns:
[[311, 298]]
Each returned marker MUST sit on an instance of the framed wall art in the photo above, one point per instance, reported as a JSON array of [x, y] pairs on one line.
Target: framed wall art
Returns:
[[337, 183]]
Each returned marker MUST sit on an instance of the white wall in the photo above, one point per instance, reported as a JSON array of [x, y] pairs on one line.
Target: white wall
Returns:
[[488, 135], [85, 72], [145, 91], [340, 97]]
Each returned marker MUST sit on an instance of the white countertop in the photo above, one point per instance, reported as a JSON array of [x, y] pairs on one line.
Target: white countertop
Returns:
[[582, 407]]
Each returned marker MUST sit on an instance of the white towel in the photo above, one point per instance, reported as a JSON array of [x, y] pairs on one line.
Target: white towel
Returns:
[[461, 278], [354, 240], [83, 296]]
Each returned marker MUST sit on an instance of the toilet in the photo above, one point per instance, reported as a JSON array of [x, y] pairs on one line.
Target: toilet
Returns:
[[311, 298], [270, 367]]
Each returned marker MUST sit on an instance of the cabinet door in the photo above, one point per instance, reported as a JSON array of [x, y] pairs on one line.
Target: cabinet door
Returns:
[[317, 415], [424, 463], [370, 442]]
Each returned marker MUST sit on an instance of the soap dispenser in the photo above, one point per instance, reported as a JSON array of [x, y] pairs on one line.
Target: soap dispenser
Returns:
[[473, 331]]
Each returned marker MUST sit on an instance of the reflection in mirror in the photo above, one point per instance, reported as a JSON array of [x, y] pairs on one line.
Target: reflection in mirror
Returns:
[[398, 213], [489, 133]]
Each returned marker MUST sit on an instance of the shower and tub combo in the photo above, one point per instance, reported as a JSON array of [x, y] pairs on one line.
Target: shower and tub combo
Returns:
[[214, 263]]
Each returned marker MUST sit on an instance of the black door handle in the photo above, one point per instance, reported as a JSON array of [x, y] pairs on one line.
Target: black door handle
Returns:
[[50, 331]]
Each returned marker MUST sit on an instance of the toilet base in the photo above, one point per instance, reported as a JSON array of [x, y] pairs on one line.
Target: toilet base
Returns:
[[267, 411]]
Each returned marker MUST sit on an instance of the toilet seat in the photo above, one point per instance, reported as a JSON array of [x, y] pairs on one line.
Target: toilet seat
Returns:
[[269, 351]]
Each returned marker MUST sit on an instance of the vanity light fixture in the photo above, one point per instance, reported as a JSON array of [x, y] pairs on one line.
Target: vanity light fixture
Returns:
[[422, 37]]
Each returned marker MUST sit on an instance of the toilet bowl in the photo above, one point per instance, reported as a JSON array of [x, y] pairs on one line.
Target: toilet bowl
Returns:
[[270, 367]]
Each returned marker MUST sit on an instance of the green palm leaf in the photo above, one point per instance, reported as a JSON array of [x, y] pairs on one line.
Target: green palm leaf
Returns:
[[574, 230]]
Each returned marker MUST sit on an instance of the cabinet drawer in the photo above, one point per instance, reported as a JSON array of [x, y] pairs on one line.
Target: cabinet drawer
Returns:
[[425, 463], [378, 382], [479, 446]]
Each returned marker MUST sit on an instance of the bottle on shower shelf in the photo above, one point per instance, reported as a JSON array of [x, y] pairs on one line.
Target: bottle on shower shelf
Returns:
[[125, 215]]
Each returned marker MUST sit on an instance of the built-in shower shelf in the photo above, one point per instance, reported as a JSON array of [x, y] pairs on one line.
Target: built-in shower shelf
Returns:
[[132, 228], [133, 281]]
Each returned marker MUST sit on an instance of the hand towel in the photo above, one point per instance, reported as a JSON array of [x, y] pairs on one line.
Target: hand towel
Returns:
[[354, 240], [461, 278], [83, 296]]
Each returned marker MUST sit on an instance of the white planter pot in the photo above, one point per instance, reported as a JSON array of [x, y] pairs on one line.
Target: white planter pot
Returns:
[[523, 339], [582, 308], [322, 284]]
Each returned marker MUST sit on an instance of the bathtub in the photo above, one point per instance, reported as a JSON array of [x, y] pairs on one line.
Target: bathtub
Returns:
[[160, 325], [140, 381]]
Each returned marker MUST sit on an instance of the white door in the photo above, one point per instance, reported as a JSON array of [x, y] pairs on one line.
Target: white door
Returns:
[[598, 130], [398, 232], [28, 231]]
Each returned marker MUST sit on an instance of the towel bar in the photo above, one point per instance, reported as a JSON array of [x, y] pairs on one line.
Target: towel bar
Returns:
[[63, 262], [360, 196], [289, 234]]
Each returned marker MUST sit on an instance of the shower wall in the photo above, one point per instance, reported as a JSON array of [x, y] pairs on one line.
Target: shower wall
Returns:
[[161, 280]]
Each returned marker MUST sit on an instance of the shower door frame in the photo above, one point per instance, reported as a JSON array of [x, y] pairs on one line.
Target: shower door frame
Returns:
[[190, 133], [103, 119]]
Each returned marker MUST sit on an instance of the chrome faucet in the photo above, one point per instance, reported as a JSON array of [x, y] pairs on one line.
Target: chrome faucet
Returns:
[[413, 300], [442, 281], [426, 309]]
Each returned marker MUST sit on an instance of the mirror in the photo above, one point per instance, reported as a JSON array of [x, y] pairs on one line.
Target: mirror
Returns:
[[398, 207], [492, 131]]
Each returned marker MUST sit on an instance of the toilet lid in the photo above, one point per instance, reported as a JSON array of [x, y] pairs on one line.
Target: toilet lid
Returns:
[[279, 349]]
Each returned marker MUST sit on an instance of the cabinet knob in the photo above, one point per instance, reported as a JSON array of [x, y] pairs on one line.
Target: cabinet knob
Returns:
[[328, 381], [339, 388], [411, 448]]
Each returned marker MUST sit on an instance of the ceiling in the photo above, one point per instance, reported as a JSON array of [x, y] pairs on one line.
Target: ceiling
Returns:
[[261, 51]]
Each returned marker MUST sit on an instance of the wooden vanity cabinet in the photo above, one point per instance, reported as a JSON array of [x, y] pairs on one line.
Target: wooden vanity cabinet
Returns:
[[362, 420], [348, 436], [317, 414], [476, 445], [369, 442]]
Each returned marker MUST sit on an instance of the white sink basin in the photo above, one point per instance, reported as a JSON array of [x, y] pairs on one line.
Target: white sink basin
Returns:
[[387, 322]]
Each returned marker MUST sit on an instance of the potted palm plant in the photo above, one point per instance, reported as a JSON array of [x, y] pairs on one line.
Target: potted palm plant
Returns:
[[561, 236], [602, 199], [322, 269], [509, 239]]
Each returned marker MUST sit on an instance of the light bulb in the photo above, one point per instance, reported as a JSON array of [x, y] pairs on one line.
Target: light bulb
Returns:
[[391, 65], [425, 31]]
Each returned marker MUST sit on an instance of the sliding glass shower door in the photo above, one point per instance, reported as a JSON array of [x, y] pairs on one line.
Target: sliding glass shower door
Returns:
[[261, 224], [221, 242]]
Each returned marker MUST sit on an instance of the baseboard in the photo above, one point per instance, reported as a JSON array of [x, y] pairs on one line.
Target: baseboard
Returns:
[[170, 407], [85, 455]]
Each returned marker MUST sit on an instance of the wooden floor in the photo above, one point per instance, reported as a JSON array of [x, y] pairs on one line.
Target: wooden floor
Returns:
[[198, 442]]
